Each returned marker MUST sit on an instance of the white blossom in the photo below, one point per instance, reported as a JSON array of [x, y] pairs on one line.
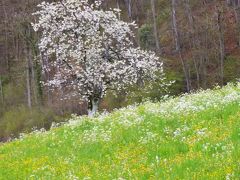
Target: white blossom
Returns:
[[91, 49]]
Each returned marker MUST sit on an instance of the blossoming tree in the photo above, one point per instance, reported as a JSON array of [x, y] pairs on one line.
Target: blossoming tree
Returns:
[[92, 50]]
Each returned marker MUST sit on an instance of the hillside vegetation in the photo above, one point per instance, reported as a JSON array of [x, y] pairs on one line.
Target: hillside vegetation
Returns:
[[199, 50], [194, 136]]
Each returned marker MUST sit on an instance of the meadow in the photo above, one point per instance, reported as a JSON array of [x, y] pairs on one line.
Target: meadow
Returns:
[[193, 136]]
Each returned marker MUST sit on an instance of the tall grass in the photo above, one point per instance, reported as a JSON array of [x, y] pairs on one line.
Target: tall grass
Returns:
[[193, 136]]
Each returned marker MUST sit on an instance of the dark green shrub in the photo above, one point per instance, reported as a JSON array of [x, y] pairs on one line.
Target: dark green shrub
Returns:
[[22, 119], [231, 69], [146, 38]]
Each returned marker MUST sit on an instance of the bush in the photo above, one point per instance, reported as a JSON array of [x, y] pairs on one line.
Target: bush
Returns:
[[22, 119], [153, 91], [231, 69], [146, 38]]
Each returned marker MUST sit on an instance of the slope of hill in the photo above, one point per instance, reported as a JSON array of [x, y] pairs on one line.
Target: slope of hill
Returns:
[[194, 136]]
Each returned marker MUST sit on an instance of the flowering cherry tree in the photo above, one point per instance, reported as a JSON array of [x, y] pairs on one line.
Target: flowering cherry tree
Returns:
[[92, 50]]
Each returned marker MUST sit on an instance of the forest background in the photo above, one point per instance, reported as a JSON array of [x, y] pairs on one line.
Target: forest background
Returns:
[[198, 40]]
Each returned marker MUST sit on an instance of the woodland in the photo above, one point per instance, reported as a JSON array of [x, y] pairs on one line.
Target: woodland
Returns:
[[198, 42]]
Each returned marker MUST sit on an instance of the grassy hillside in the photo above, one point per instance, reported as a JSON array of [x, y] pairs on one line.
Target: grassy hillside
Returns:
[[194, 136]]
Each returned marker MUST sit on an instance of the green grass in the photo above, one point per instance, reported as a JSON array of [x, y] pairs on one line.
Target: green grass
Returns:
[[193, 136]]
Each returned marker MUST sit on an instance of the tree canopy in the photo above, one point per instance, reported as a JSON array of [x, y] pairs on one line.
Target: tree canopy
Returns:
[[91, 49]]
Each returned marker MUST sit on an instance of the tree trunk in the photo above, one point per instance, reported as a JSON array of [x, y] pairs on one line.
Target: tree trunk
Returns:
[[155, 26], [185, 71], [192, 40], [33, 79], [31, 63], [237, 16], [178, 48], [45, 61], [118, 6], [29, 100], [6, 38], [221, 43], [174, 26], [204, 71], [129, 8], [93, 104], [1, 91]]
